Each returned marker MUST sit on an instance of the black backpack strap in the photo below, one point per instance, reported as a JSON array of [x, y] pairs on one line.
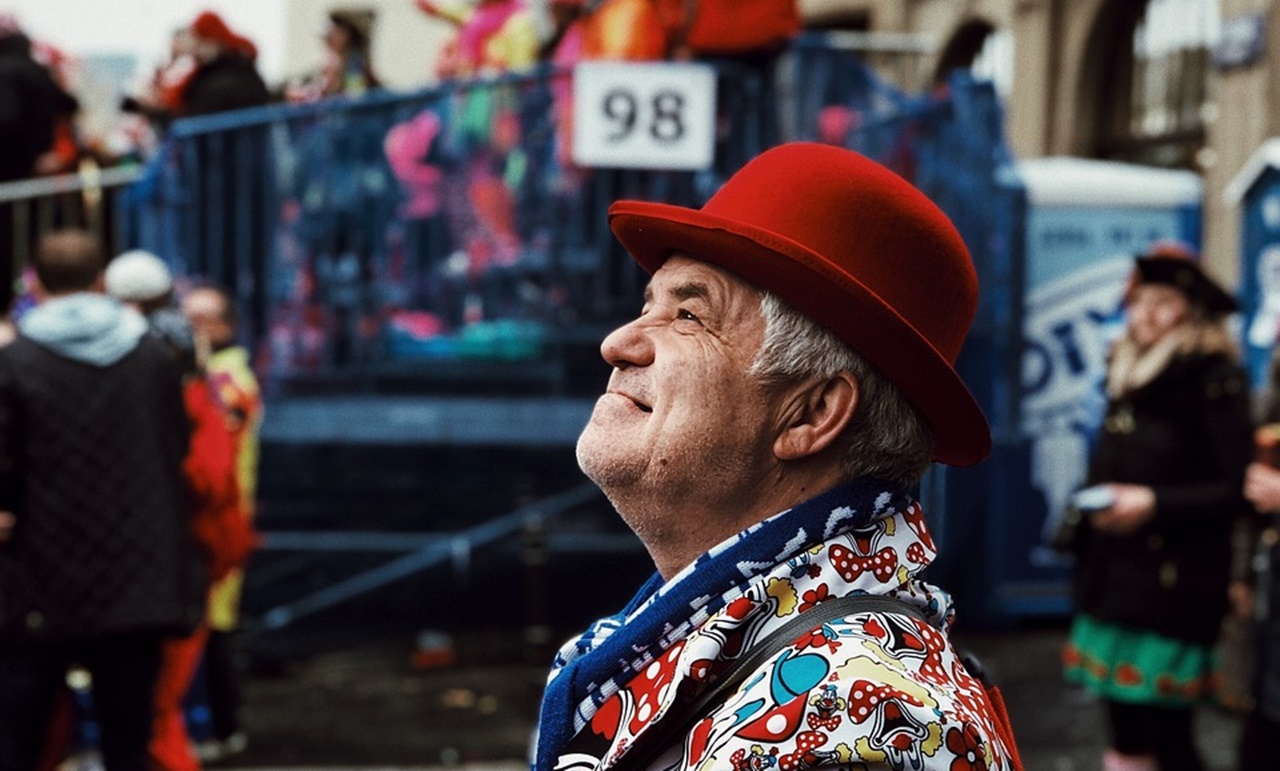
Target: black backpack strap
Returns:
[[684, 716]]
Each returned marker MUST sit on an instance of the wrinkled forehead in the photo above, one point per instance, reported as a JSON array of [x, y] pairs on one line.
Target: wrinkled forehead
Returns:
[[684, 277]]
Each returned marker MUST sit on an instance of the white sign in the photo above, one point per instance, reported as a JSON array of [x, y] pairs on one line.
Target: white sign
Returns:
[[649, 115]]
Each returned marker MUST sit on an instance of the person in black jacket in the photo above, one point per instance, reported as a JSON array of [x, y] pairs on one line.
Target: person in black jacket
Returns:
[[229, 230], [97, 561], [1153, 560], [226, 75], [211, 70], [1256, 595], [31, 105]]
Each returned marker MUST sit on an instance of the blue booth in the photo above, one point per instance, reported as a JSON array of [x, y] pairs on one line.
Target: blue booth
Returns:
[[1256, 189]]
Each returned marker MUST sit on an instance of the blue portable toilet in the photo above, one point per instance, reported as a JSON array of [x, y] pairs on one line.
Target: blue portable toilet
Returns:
[[1085, 222], [1256, 188]]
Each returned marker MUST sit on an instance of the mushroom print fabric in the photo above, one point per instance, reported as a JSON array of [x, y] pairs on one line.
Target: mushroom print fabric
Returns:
[[875, 690]]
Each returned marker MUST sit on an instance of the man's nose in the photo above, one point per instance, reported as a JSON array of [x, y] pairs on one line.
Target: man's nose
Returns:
[[630, 345]]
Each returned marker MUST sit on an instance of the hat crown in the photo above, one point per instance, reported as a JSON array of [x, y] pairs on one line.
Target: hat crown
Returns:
[[854, 247], [1182, 270], [868, 222]]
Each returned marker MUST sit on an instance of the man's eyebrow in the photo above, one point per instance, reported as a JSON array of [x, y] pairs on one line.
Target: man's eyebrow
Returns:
[[688, 291], [693, 290]]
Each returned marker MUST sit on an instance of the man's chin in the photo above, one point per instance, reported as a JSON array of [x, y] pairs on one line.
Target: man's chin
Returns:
[[607, 471], [589, 461]]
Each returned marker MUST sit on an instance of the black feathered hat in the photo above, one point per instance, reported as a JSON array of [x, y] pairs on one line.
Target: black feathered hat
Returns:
[[1175, 265]]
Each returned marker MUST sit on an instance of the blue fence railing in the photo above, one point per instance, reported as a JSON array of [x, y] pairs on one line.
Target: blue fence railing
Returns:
[[365, 239], [441, 235], [439, 241]]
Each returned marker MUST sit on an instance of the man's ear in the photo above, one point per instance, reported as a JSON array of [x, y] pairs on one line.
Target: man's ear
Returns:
[[817, 414]]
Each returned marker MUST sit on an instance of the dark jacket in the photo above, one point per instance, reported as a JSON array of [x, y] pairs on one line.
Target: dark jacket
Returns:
[[1187, 434], [31, 104], [1261, 566], [229, 82], [90, 465]]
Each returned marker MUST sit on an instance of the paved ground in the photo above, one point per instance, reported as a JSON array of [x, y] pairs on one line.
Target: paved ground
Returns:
[[369, 708]]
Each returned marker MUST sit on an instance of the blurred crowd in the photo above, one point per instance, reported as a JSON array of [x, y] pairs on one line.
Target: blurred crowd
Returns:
[[465, 169], [212, 67], [128, 462]]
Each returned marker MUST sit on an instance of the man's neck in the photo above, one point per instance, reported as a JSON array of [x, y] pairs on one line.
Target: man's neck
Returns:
[[676, 530]]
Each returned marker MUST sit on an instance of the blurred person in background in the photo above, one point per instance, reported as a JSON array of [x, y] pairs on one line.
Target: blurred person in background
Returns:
[[786, 384], [748, 31], [225, 79], [562, 17], [225, 76], [493, 36], [212, 313], [99, 565], [210, 69], [348, 62], [152, 105], [1153, 557], [143, 281], [1257, 595], [32, 106], [34, 109], [623, 30]]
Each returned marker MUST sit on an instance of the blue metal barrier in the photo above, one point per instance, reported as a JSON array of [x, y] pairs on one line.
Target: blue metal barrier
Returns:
[[441, 232], [416, 553], [437, 241]]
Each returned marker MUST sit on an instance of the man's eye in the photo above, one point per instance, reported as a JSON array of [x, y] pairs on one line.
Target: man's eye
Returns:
[[685, 315]]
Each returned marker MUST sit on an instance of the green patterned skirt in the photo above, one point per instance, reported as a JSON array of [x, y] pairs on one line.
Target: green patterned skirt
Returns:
[[1138, 667]]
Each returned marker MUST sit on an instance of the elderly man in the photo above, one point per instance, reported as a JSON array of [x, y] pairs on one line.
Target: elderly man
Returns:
[[789, 379]]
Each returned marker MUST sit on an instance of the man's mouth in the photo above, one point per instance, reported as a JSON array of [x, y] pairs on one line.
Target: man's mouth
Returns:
[[639, 404]]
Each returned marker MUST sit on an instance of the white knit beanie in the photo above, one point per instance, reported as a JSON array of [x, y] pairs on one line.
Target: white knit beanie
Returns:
[[138, 276]]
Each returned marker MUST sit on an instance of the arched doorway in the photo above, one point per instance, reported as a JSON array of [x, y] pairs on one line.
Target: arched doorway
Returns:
[[1146, 76]]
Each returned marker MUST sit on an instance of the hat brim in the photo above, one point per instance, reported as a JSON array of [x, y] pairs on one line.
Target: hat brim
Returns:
[[837, 301], [1190, 279]]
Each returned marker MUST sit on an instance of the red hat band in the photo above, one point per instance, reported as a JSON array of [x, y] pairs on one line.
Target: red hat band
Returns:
[[854, 247]]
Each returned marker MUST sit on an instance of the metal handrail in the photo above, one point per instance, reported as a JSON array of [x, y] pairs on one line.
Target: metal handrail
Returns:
[[90, 179], [437, 551]]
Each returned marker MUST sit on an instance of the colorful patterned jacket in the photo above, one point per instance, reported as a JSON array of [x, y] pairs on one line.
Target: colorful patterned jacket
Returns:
[[235, 388], [872, 691]]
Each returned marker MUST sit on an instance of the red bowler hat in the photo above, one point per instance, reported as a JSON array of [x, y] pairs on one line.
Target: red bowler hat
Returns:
[[854, 247]]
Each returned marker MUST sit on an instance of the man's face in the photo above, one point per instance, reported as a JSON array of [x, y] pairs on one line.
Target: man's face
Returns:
[[681, 418], [206, 310]]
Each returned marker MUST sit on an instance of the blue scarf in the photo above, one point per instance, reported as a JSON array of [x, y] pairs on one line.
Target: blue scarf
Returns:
[[592, 667]]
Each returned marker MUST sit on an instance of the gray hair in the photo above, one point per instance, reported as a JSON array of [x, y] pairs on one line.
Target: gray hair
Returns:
[[887, 438]]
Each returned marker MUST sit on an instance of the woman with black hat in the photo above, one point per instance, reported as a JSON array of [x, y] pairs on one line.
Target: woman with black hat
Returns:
[[1153, 556]]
